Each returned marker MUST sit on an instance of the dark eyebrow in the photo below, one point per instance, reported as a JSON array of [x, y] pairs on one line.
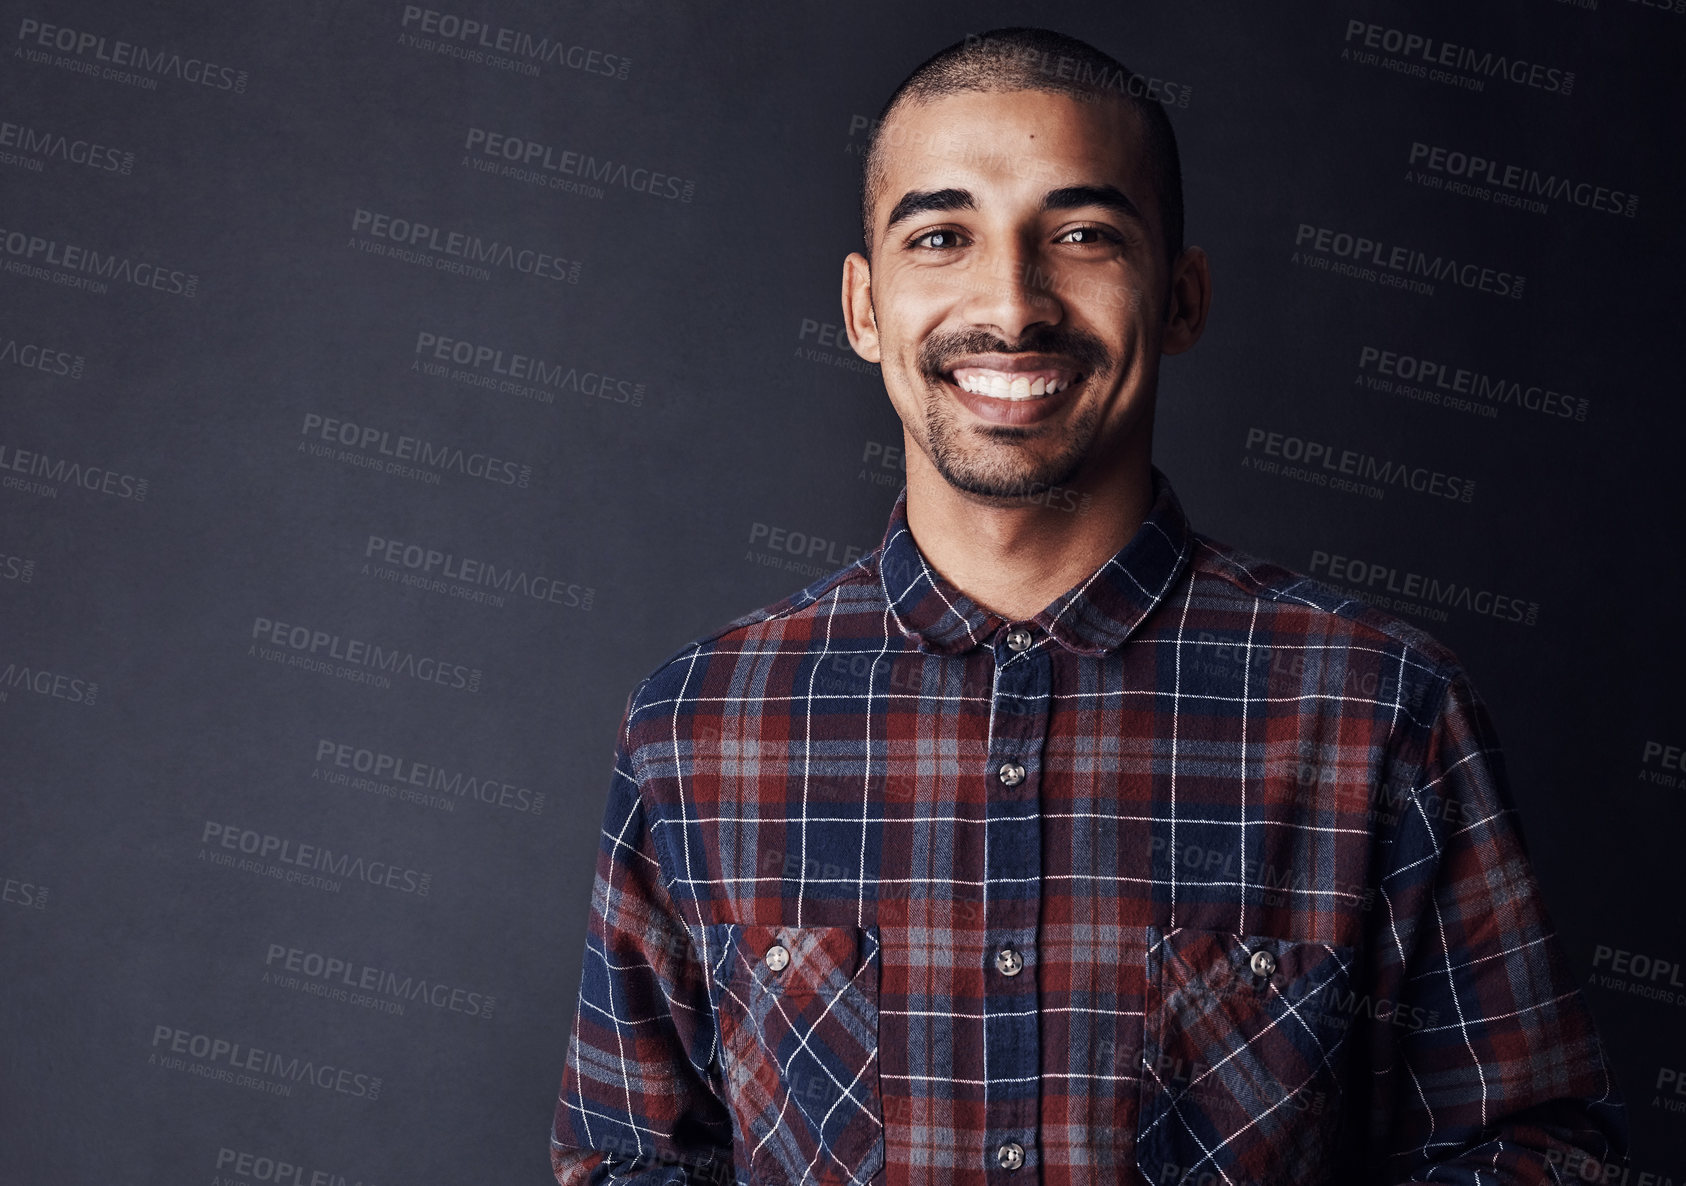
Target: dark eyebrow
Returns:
[[919, 201], [1110, 197]]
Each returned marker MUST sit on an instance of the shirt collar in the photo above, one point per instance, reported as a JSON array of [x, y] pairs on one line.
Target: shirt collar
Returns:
[[1091, 618]]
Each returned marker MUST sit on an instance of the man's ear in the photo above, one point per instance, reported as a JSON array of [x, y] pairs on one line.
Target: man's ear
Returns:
[[1190, 299], [860, 319]]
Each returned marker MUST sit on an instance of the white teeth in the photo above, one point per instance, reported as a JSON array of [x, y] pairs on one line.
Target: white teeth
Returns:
[[998, 385]]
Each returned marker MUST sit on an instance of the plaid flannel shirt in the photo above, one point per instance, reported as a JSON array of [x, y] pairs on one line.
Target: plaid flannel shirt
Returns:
[[1204, 874]]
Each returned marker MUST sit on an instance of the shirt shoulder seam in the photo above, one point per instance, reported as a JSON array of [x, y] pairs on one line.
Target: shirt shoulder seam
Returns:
[[1232, 565], [804, 598]]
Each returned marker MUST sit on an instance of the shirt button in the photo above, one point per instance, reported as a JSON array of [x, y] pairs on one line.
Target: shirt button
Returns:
[[777, 957], [1008, 962], [1011, 774], [1018, 639], [1010, 1155], [1263, 963]]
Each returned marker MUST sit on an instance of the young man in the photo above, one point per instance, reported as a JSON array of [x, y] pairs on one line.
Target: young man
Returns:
[[1054, 841]]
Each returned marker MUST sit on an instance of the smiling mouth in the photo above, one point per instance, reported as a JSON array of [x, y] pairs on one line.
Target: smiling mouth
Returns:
[[1015, 384]]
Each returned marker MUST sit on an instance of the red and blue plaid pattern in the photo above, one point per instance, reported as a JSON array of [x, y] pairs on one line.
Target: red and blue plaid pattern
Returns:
[[1216, 881]]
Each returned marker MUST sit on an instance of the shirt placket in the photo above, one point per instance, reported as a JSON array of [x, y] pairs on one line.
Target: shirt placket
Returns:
[[1013, 898]]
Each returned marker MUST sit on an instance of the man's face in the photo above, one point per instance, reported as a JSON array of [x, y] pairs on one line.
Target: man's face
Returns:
[[1016, 296]]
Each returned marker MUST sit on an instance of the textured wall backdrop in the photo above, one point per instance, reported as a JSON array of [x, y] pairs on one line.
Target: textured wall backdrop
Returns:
[[388, 387]]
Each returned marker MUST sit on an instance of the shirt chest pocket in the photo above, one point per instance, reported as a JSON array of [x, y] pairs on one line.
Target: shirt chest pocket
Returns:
[[796, 1009], [1242, 1048]]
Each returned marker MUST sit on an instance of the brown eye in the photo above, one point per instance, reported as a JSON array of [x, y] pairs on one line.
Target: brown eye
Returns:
[[940, 240], [1089, 235]]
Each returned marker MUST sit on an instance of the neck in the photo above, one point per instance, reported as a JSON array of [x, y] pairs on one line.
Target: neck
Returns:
[[1015, 558]]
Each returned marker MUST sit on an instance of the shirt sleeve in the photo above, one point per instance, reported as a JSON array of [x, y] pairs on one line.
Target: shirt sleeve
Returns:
[[1491, 1069], [641, 1101]]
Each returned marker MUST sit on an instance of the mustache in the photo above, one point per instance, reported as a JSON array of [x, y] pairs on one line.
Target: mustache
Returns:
[[938, 352]]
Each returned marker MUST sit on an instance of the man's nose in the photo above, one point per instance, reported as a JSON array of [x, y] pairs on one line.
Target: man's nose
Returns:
[[1012, 291]]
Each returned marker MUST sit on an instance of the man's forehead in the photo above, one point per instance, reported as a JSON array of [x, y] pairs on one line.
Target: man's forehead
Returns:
[[1033, 137]]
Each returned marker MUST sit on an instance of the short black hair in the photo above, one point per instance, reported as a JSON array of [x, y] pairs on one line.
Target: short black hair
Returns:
[[1028, 59]]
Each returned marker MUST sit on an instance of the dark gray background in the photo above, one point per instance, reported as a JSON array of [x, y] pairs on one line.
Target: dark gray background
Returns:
[[116, 922]]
